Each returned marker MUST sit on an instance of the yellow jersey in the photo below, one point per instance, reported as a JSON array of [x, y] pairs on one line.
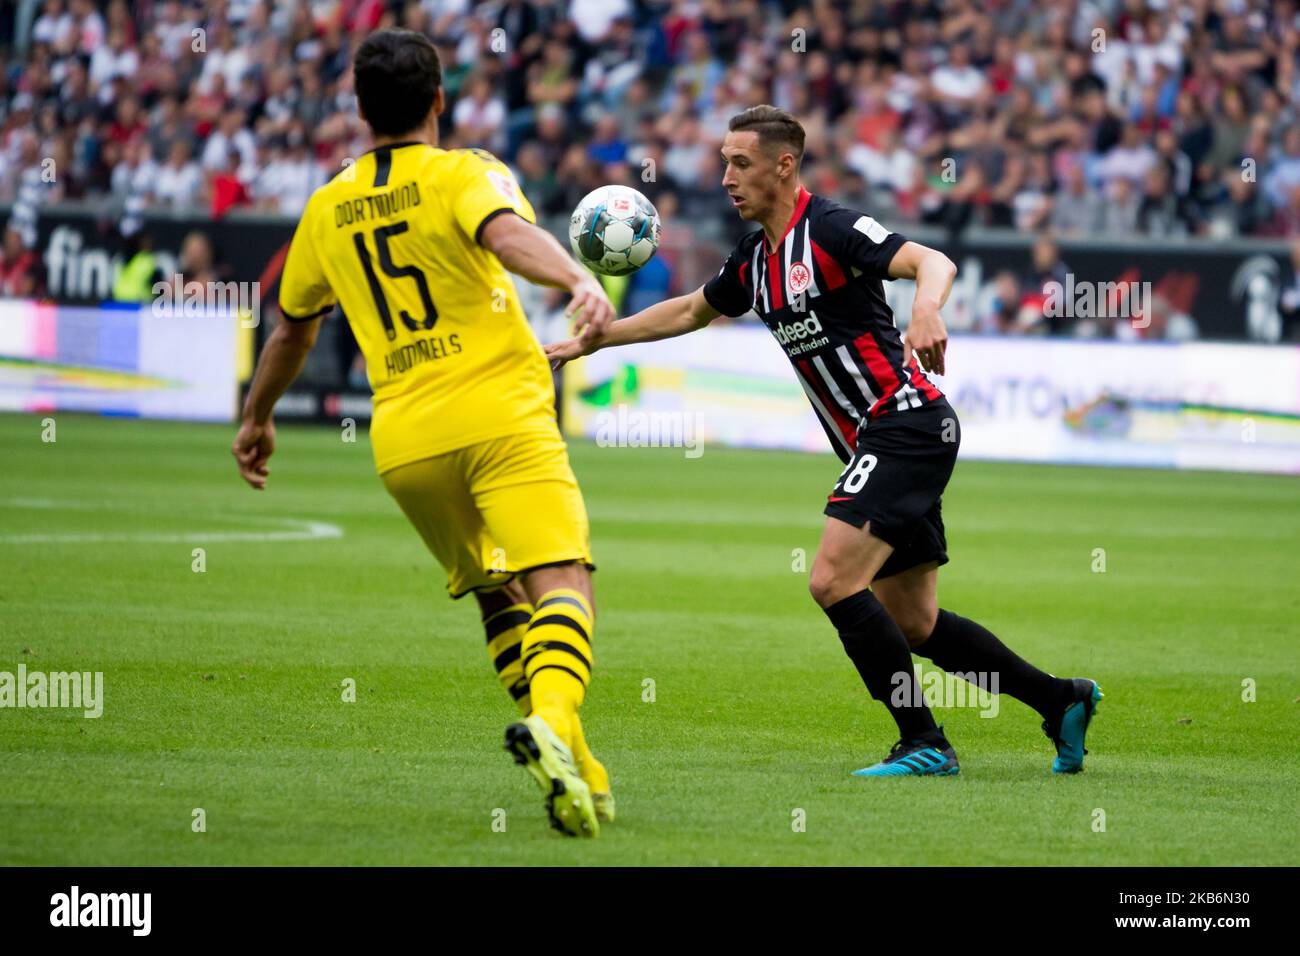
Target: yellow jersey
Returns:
[[394, 239]]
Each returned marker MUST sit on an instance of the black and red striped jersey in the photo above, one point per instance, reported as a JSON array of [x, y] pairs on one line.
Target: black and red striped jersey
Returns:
[[820, 294]]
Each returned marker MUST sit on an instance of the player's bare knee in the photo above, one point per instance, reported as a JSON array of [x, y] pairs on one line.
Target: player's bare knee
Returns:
[[916, 623], [820, 588], [915, 636], [828, 584], [573, 575], [489, 602], [513, 592]]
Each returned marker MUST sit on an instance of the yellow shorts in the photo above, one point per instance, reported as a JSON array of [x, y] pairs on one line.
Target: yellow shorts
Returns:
[[494, 509]]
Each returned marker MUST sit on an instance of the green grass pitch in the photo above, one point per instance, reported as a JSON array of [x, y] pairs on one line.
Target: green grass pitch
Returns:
[[223, 689]]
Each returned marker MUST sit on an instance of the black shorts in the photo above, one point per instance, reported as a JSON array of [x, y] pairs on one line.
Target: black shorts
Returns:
[[896, 479]]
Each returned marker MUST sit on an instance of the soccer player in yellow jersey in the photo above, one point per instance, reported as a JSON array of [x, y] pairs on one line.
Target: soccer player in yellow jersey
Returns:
[[414, 242]]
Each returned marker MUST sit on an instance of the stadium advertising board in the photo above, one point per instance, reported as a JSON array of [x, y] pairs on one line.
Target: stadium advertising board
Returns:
[[117, 360], [1214, 290], [723, 385], [1188, 405]]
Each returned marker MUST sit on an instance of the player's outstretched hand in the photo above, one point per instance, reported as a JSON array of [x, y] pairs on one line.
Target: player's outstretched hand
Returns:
[[252, 448], [557, 353], [590, 307], [926, 337]]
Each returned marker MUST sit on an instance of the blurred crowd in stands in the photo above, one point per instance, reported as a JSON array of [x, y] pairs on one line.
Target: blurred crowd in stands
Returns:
[[1160, 118]]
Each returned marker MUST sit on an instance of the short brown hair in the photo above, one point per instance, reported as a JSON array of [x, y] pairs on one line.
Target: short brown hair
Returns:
[[775, 127], [396, 75]]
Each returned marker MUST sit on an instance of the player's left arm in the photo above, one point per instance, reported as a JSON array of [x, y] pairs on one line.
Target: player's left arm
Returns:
[[874, 251], [305, 299], [934, 272]]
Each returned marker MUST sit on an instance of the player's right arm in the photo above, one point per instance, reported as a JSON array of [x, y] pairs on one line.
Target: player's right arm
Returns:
[[663, 320], [491, 208], [724, 294], [533, 253]]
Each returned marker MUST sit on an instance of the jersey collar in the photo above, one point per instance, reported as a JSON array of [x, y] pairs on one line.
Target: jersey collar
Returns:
[[405, 142], [800, 205]]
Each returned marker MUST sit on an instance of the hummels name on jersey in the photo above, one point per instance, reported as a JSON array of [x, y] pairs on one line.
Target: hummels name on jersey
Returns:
[[427, 349]]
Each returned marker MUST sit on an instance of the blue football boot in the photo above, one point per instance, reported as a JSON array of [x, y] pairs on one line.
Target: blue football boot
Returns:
[[1072, 727], [929, 755]]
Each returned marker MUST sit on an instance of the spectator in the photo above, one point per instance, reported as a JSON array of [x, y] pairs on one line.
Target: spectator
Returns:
[[113, 59], [957, 84], [231, 136], [1288, 297], [138, 276], [684, 159], [226, 59], [554, 78], [606, 145], [287, 182], [1119, 215], [75, 101], [34, 182], [1283, 174], [1076, 209], [1130, 160], [537, 179], [596, 18], [698, 73], [1041, 129], [55, 27], [1177, 164], [614, 66], [180, 180], [888, 166], [1031, 203], [20, 276], [129, 122], [1048, 278], [1161, 212], [1285, 220], [1241, 215], [174, 29], [166, 126], [479, 116], [650, 284], [89, 26], [1230, 129], [197, 261], [137, 174], [225, 189], [1001, 312]]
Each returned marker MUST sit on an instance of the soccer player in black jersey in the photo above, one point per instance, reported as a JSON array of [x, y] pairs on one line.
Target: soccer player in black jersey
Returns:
[[813, 274]]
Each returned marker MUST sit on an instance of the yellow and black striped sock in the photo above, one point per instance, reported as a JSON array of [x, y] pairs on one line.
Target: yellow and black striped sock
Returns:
[[505, 638], [557, 657], [591, 769]]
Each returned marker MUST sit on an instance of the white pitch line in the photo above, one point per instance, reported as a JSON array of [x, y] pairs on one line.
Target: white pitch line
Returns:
[[304, 531], [956, 524]]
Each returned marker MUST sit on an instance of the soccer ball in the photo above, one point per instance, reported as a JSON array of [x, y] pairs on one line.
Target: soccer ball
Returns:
[[614, 230]]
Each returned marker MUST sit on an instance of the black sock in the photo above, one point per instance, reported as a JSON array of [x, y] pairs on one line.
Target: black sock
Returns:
[[879, 651], [960, 646]]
